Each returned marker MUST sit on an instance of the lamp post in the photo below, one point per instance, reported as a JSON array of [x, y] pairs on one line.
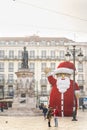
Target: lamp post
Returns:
[[80, 55], [3, 91], [37, 102]]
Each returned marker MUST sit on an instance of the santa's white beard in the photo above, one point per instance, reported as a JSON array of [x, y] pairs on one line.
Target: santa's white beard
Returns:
[[63, 84]]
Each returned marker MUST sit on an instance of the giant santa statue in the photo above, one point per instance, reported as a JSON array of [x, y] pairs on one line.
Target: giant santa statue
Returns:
[[63, 92]]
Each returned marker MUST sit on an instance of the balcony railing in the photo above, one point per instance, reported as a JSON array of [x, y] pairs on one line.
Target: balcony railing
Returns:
[[42, 93], [37, 58], [1, 82], [34, 58]]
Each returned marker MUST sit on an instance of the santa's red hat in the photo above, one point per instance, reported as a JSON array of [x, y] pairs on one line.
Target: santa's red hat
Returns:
[[65, 67]]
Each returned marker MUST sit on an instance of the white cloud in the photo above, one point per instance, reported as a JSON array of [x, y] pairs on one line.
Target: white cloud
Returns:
[[44, 17]]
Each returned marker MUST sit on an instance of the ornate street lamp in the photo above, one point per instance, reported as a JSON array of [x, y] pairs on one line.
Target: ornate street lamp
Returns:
[[80, 55]]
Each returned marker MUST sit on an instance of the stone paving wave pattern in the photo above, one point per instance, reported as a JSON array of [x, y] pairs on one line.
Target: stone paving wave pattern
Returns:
[[38, 122]]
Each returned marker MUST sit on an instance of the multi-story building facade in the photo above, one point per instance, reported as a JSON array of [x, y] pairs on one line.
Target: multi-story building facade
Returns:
[[42, 52]]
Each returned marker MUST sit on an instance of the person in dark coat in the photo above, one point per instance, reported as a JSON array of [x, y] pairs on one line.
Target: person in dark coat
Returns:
[[83, 107], [49, 116], [2, 106], [45, 111]]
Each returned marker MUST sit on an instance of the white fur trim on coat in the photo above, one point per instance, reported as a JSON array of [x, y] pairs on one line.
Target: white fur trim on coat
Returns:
[[63, 70]]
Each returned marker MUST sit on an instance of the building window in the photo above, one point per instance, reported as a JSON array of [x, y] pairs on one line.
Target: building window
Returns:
[[61, 54], [43, 66], [1, 92], [43, 76], [80, 67], [19, 65], [32, 67], [11, 67], [21, 43], [43, 43], [2, 54], [11, 54], [52, 54], [32, 54], [1, 67], [1, 78], [80, 79], [20, 54], [2, 43], [43, 79], [61, 42], [10, 78], [52, 65], [32, 43], [52, 43], [11, 43], [10, 90], [43, 89], [43, 54]]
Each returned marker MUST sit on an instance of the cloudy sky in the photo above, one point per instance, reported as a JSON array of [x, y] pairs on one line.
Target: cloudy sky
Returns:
[[59, 18]]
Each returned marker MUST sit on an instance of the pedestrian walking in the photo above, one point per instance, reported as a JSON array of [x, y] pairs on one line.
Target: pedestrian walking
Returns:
[[55, 115], [83, 107], [49, 116], [2, 106], [45, 111]]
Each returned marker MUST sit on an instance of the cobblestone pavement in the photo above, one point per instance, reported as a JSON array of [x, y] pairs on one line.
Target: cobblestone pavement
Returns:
[[38, 123]]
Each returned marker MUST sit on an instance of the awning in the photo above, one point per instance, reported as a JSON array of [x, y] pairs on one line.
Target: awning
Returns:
[[6, 100]]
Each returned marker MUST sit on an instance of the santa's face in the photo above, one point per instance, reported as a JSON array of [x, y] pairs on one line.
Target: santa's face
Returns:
[[63, 82]]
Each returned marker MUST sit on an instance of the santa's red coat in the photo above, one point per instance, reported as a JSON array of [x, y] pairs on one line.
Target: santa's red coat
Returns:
[[55, 97]]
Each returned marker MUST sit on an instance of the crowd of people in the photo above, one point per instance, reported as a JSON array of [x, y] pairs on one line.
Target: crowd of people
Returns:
[[49, 113], [52, 113]]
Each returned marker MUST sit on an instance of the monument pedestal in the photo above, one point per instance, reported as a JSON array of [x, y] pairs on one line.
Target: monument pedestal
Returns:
[[28, 102], [24, 102]]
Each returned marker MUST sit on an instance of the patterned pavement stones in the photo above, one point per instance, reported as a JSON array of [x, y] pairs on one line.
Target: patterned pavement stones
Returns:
[[38, 122]]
